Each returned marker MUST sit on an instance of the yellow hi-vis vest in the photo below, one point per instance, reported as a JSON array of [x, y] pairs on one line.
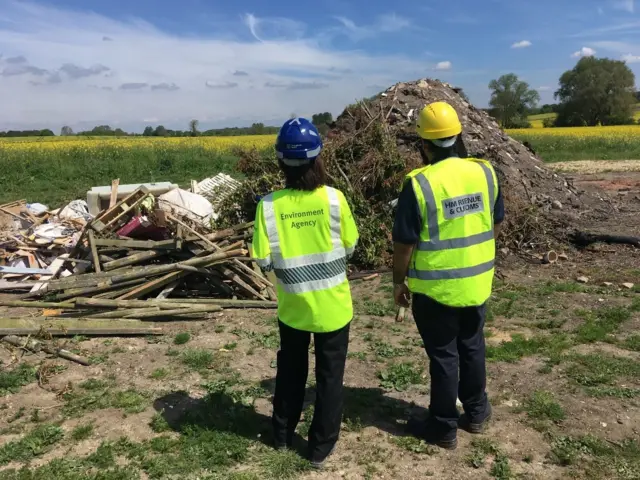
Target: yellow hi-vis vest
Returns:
[[306, 238], [453, 262]]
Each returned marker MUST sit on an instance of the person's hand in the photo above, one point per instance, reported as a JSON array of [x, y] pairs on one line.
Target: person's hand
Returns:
[[401, 294]]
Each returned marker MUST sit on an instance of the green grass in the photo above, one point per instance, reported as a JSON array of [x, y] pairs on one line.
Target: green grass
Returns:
[[57, 176], [376, 308], [541, 405], [599, 369], [12, 380], [520, 346], [414, 445], [82, 432], [400, 376], [32, 445], [481, 448], [97, 396], [632, 343], [601, 323], [385, 350], [159, 424], [197, 358], [182, 338], [159, 374]]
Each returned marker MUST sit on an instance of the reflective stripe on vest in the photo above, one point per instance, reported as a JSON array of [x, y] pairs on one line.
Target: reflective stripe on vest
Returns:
[[316, 271], [435, 244]]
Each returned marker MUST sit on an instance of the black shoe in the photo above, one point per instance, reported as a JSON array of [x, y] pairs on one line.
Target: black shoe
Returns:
[[279, 445], [318, 464], [426, 431], [475, 427]]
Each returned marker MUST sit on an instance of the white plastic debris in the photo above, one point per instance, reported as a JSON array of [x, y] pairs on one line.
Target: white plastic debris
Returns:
[[187, 204], [76, 210], [37, 208], [217, 188]]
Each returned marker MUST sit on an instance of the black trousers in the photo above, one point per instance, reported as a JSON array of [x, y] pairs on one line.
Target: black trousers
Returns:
[[454, 339], [291, 378]]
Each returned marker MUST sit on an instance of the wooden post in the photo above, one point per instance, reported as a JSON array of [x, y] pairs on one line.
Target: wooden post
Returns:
[[94, 252], [114, 193]]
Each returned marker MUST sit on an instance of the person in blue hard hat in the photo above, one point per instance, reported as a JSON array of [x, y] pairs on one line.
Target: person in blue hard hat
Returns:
[[305, 233]]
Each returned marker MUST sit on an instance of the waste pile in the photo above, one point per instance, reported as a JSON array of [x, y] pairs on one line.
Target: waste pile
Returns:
[[372, 146], [143, 258]]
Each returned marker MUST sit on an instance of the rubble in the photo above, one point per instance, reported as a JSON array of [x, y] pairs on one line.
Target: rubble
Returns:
[[140, 259]]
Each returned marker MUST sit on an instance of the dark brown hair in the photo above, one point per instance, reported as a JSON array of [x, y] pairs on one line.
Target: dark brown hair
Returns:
[[307, 177]]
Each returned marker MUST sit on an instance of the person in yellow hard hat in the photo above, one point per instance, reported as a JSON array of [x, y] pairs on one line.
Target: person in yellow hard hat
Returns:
[[444, 241]]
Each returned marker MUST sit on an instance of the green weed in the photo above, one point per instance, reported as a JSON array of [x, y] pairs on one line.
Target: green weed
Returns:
[[283, 465], [632, 343], [196, 358], [181, 338], [520, 347], [12, 380], [376, 308], [542, 405], [130, 401], [414, 445], [601, 323], [386, 350], [159, 374], [18, 415], [400, 376], [230, 346], [32, 445], [158, 423], [82, 432], [567, 450], [600, 369]]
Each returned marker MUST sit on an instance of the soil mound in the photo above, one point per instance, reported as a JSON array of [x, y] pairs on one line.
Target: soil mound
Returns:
[[372, 145]]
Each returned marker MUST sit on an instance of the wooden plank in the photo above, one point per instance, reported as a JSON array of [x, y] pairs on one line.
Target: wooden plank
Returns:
[[153, 285], [76, 326], [83, 292], [150, 244], [134, 259], [124, 313], [94, 252], [19, 303], [176, 312], [114, 193]]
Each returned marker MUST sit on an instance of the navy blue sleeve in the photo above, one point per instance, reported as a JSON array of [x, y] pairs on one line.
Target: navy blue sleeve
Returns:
[[408, 222], [498, 209]]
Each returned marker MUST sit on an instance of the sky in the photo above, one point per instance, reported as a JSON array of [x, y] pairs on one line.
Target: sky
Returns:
[[133, 63]]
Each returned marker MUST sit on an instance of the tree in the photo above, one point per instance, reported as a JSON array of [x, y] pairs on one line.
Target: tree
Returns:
[[597, 91], [160, 131], [322, 121], [148, 131], [66, 131], [511, 99], [193, 128]]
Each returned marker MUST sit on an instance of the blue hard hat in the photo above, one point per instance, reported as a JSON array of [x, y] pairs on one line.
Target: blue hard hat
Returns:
[[298, 142]]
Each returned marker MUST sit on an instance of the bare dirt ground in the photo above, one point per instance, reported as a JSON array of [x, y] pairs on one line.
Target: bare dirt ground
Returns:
[[563, 377]]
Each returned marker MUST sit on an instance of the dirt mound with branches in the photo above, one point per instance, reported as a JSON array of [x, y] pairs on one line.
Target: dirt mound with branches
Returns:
[[372, 146]]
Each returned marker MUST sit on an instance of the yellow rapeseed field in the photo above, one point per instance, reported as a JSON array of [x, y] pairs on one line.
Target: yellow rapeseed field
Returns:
[[219, 145]]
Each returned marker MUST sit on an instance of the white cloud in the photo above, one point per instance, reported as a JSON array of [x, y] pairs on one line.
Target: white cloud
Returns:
[[631, 58], [544, 89], [625, 5], [522, 44], [148, 73], [388, 23], [444, 65], [584, 52], [600, 11]]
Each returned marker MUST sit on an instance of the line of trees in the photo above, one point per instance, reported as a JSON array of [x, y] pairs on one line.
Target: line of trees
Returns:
[[597, 91], [28, 133]]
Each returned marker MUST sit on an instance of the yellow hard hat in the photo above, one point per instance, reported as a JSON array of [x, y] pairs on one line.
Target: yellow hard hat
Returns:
[[438, 120]]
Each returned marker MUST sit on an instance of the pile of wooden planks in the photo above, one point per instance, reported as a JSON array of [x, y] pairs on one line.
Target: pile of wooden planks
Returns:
[[161, 256]]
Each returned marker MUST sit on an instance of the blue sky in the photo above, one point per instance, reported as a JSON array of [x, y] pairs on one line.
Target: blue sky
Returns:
[[138, 62]]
